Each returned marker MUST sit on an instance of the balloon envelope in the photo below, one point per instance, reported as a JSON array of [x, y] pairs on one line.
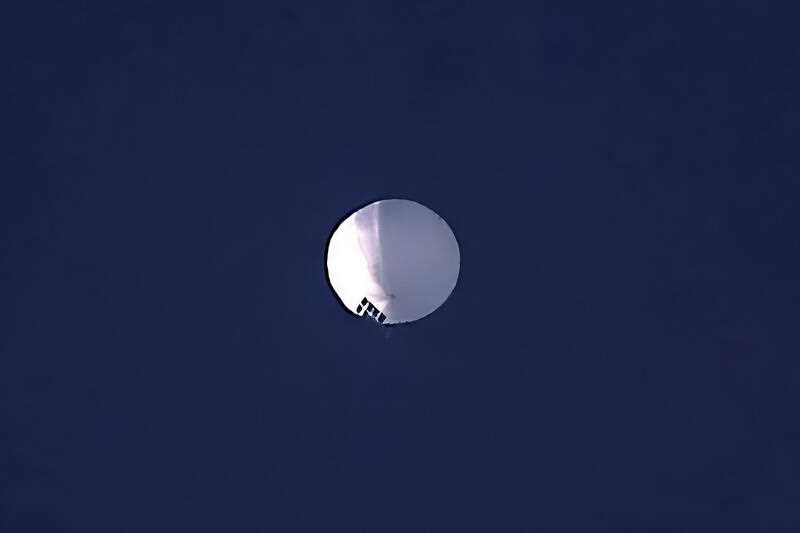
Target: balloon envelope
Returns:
[[395, 260]]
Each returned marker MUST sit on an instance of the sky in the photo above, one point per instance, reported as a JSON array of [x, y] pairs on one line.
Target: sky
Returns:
[[620, 351]]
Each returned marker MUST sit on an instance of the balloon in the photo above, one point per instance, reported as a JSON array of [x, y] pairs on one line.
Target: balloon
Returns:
[[394, 260]]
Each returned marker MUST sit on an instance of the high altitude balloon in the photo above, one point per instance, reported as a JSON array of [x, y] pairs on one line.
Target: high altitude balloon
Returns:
[[394, 260]]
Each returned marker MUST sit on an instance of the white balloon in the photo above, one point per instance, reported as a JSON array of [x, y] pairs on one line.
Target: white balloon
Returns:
[[395, 260]]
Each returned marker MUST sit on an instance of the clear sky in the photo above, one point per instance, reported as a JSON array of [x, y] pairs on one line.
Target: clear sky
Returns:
[[620, 353]]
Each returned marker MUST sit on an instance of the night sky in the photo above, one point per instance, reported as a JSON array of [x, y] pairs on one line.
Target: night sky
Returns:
[[620, 353]]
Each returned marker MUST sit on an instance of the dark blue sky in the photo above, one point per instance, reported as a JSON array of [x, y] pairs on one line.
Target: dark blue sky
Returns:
[[620, 353]]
